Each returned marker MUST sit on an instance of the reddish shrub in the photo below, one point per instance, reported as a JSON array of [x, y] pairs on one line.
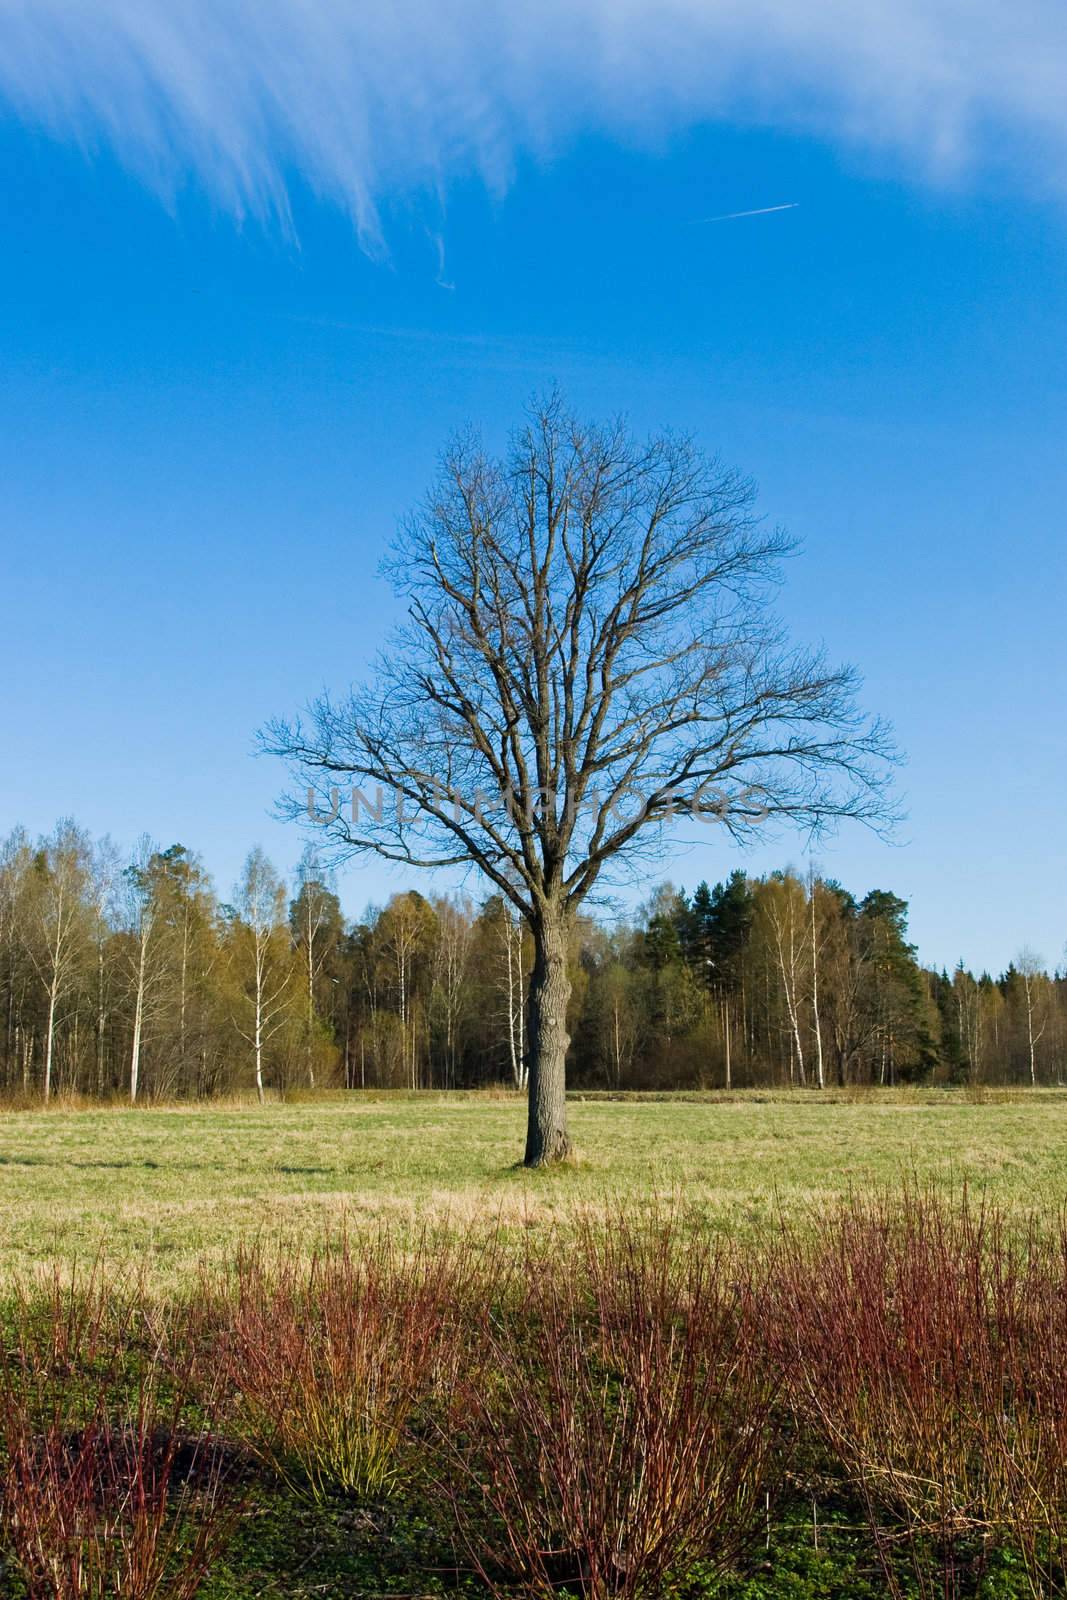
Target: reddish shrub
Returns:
[[927, 1346], [330, 1360], [107, 1489], [618, 1426]]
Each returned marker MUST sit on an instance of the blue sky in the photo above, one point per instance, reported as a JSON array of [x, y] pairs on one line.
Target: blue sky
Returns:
[[241, 308]]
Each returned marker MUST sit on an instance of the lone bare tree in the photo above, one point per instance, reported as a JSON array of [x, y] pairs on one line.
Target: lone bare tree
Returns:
[[589, 654]]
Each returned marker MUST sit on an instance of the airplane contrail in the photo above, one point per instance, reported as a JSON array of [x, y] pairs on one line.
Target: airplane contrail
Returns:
[[762, 211]]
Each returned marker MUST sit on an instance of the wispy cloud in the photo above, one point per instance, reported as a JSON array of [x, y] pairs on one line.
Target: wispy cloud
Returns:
[[363, 100], [437, 240], [760, 211]]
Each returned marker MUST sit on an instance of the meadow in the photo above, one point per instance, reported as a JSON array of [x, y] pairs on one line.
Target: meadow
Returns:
[[747, 1347], [174, 1185]]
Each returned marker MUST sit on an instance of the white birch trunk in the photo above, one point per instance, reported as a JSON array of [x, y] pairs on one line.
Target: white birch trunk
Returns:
[[815, 994]]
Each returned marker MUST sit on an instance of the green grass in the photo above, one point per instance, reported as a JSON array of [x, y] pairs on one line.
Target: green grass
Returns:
[[174, 1185]]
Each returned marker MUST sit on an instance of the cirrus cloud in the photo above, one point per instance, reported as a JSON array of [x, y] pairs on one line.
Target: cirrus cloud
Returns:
[[365, 100]]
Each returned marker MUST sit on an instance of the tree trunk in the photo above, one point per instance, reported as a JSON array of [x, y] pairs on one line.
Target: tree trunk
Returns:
[[49, 1042], [259, 1060], [101, 1020], [1030, 1033], [138, 1019], [135, 1050], [514, 1005], [182, 1001], [257, 1042], [550, 990], [816, 1022]]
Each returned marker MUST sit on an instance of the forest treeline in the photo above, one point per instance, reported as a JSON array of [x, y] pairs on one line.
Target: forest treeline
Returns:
[[129, 976]]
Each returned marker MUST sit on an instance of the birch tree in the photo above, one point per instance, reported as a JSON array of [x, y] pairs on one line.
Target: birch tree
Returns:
[[105, 880], [190, 951], [142, 909], [511, 985], [315, 922], [406, 933], [782, 910], [451, 963], [16, 858], [814, 956], [263, 959], [55, 924], [1031, 970], [614, 1021]]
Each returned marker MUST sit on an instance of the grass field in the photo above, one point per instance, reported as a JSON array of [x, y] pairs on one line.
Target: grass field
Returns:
[[883, 1396], [174, 1185]]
